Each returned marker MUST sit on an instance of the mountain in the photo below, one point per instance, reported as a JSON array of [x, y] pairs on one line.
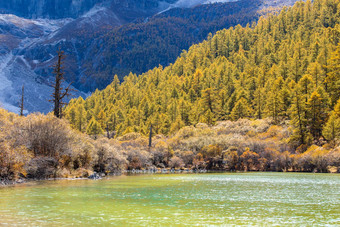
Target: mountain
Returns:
[[102, 38], [58, 9], [285, 68], [138, 47], [28, 46]]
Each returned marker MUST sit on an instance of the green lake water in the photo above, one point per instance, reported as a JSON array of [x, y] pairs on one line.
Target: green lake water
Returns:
[[261, 199]]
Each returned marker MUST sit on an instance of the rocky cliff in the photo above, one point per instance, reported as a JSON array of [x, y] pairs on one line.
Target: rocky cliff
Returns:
[[57, 9]]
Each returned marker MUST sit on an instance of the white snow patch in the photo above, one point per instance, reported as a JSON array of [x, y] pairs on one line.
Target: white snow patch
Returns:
[[97, 14], [57, 42], [24, 61], [5, 83], [218, 1], [52, 25], [94, 11], [193, 3], [46, 24]]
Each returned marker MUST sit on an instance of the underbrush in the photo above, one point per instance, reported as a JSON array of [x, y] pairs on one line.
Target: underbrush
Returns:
[[40, 147]]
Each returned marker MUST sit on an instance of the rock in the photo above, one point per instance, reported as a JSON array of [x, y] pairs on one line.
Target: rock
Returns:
[[20, 181], [95, 176]]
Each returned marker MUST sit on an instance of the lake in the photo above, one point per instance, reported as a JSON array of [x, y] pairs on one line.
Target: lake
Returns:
[[177, 199]]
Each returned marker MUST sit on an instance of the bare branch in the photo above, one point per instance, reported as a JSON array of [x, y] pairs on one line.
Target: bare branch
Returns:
[[59, 93]]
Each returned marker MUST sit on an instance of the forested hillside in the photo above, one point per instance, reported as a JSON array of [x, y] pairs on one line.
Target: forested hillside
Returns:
[[286, 67]]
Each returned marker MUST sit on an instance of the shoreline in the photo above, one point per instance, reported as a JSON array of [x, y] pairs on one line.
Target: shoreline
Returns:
[[22, 181]]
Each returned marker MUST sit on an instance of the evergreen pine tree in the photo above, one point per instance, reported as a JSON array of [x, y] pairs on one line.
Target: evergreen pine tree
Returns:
[[94, 128]]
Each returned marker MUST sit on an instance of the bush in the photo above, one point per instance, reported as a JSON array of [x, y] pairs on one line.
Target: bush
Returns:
[[176, 162], [13, 154], [138, 159], [42, 168], [249, 160], [40, 146], [47, 135], [107, 158], [160, 154]]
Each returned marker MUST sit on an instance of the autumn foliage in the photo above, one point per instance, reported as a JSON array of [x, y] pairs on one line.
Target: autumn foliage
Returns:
[[39, 146]]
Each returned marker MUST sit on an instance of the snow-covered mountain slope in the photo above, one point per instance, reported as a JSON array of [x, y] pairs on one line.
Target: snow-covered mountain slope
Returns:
[[58, 9], [17, 34], [47, 8], [28, 51]]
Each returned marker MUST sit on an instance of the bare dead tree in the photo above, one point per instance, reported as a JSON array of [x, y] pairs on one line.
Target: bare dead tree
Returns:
[[21, 104], [108, 129], [59, 92], [150, 137]]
